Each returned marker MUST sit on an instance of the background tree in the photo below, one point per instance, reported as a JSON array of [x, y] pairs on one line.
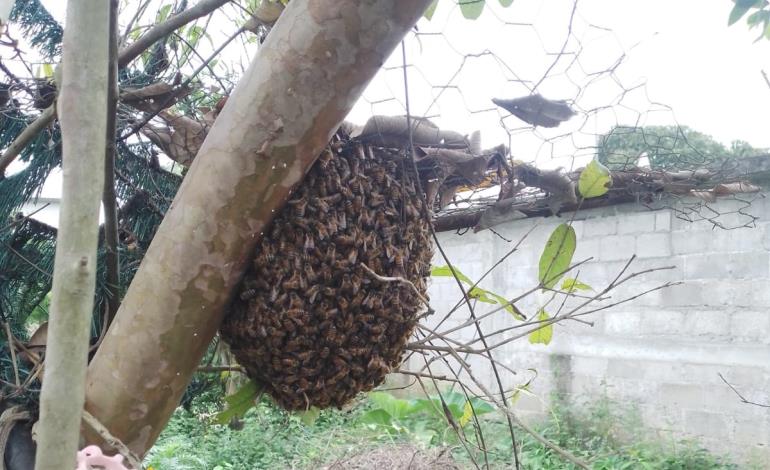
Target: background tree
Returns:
[[665, 148]]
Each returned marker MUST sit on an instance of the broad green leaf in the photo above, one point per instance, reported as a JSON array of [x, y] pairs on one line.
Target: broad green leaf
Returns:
[[430, 10], [446, 271], [163, 13], [594, 180], [571, 285], [543, 334], [509, 307], [481, 407], [310, 416], [741, 7], [506, 3], [757, 18], [376, 417], [472, 9], [467, 414], [557, 255], [395, 407], [239, 403], [737, 13]]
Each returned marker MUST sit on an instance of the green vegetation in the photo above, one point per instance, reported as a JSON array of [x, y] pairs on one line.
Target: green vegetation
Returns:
[[272, 438], [666, 147]]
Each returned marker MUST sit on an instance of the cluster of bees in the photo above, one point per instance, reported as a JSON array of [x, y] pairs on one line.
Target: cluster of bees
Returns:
[[310, 323]]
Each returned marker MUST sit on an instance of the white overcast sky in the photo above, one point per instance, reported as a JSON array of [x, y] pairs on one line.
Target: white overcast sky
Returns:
[[677, 54]]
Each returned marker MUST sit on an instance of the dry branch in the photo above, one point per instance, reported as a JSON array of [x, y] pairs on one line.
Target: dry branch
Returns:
[[544, 188], [125, 56]]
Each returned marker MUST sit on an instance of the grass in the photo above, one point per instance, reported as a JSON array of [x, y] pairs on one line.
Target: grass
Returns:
[[271, 438]]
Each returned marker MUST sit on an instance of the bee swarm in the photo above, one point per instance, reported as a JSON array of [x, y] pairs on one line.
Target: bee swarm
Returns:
[[310, 323]]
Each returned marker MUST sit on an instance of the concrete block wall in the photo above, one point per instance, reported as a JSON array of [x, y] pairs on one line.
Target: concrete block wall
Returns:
[[660, 353]]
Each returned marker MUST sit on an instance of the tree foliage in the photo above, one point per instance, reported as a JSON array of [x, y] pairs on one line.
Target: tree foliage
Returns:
[[665, 147]]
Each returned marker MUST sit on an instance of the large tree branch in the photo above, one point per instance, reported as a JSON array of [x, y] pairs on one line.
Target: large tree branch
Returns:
[[126, 55], [303, 81], [84, 101]]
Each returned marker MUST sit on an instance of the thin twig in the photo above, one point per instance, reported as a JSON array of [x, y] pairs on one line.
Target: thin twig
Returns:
[[157, 32], [23, 258], [11, 347], [26, 136], [113, 441], [741, 397], [25, 218], [182, 86], [126, 55], [397, 279]]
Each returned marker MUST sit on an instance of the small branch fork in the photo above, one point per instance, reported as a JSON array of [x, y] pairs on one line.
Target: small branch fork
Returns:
[[741, 397]]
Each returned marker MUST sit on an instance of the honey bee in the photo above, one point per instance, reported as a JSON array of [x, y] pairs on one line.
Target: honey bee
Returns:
[[325, 157], [345, 240], [322, 231], [309, 244], [312, 293], [352, 256], [294, 282], [295, 301], [299, 206], [248, 294]]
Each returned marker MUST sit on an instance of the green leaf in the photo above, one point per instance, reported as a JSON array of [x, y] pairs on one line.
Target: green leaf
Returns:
[[481, 407], [506, 3], [557, 255], [509, 307], [472, 9], [446, 271], [394, 407], [524, 389], [467, 414], [571, 285], [543, 334], [163, 13], [310, 416], [519, 391], [376, 417], [737, 13], [594, 180], [239, 403], [481, 295], [430, 10]]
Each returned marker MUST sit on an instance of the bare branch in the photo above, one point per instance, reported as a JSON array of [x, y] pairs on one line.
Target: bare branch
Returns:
[[741, 397], [26, 137], [94, 424], [202, 8]]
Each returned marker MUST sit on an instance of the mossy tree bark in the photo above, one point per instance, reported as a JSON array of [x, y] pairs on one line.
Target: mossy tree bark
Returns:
[[303, 81], [82, 107]]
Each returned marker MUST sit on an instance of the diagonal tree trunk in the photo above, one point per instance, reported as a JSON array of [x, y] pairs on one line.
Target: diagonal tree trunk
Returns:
[[305, 78], [83, 105]]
